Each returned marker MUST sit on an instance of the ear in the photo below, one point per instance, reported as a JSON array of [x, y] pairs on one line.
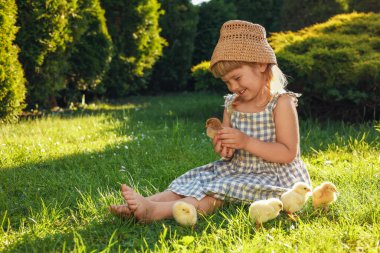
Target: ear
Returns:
[[262, 67]]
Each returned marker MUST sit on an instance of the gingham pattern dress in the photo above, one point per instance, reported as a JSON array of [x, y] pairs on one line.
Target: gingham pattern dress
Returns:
[[245, 177]]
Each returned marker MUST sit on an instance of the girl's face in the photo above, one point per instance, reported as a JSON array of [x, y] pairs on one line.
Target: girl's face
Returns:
[[247, 81]]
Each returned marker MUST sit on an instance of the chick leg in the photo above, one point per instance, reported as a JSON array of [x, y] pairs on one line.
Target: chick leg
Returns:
[[292, 216], [259, 225]]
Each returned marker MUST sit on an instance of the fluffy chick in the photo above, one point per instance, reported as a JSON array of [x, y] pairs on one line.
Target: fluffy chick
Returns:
[[295, 198], [264, 210], [324, 194], [185, 214], [212, 127]]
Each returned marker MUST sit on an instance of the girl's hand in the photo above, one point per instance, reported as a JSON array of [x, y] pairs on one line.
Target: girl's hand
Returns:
[[222, 151], [233, 138]]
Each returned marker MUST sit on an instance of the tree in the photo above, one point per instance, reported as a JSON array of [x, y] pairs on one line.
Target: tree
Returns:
[[90, 52], [263, 12], [171, 72], [12, 82], [43, 38], [296, 14], [135, 33], [212, 15]]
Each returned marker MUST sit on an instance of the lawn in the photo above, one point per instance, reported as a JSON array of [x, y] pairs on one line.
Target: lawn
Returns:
[[59, 173]]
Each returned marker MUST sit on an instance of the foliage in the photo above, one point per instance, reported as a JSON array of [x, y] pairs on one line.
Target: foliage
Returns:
[[296, 14], [90, 52], [364, 5], [43, 38], [212, 15], [204, 80], [64, 46], [55, 192], [263, 12], [171, 72], [335, 64], [12, 82], [133, 26]]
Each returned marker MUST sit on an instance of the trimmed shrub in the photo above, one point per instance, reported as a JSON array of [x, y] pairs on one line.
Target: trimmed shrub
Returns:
[[179, 23], [133, 26], [205, 81], [212, 15], [12, 82], [336, 65], [296, 14], [90, 52], [43, 38]]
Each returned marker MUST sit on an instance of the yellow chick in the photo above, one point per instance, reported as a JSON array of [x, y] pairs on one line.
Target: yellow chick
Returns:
[[295, 198], [324, 194], [185, 214], [264, 210], [212, 127]]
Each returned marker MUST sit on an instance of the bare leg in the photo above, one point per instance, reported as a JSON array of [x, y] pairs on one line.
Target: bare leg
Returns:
[[164, 196], [124, 211], [146, 210]]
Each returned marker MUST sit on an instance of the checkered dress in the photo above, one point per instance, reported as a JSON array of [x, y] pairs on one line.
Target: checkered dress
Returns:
[[245, 177]]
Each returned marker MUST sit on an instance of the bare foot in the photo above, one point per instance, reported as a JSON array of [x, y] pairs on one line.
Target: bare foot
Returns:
[[142, 209], [120, 210]]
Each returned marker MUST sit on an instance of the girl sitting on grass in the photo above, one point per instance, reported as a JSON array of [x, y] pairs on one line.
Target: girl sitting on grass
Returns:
[[259, 141]]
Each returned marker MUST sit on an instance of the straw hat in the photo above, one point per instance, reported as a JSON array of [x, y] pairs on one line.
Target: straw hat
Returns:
[[243, 41]]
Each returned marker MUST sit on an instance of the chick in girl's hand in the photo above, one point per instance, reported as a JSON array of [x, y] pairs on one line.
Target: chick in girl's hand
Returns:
[[264, 210], [295, 198], [324, 194], [213, 125], [185, 214]]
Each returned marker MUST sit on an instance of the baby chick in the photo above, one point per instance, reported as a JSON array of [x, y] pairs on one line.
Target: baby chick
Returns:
[[212, 127], [295, 198], [264, 210], [324, 194], [185, 214]]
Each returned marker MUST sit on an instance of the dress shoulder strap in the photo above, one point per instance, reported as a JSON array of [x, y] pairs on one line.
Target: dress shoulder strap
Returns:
[[272, 104]]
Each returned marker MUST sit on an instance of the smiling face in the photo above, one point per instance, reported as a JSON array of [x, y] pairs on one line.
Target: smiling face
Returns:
[[247, 81]]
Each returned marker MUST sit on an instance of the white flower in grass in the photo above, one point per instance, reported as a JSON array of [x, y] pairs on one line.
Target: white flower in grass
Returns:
[[43, 150], [328, 162], [126, 147], [122, 168]]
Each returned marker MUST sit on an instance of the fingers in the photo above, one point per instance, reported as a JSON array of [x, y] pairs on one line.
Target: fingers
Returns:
[[218, 147]]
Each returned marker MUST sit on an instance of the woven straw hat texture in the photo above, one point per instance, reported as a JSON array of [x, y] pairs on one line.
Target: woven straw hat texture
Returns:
[[242, 41]]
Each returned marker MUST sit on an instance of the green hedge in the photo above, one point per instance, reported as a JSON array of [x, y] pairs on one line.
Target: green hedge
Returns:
[[205, 81], [12, 82], [335, 64], [133, 26]]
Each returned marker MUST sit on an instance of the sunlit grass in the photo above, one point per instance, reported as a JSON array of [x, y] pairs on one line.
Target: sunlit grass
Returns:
[[59, 173]]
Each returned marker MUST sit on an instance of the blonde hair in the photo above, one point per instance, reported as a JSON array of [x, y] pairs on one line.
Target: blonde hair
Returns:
[[275, 79]]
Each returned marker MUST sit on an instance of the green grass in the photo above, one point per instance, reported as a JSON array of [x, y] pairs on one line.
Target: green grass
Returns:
[[59, 173]]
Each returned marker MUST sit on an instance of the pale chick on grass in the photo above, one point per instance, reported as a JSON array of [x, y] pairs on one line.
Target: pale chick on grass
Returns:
[[262, 211], [324, 194], [213, 125], [295, 198], [185, 214]]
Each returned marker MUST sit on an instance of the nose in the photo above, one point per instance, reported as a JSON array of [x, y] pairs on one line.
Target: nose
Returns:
[[234, 87]]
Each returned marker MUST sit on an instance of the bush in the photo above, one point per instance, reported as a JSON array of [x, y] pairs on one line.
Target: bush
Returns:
[[212, 15], [172, 71], [133, 26], [91, 50], [205, 81], [296, 14], [335, 64], [12, 82], [43, 38]]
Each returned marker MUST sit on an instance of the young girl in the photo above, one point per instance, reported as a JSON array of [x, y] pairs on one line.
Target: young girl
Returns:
[[259, 142]]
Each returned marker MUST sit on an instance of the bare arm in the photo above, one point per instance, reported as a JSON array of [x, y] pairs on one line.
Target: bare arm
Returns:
[[284, 150]]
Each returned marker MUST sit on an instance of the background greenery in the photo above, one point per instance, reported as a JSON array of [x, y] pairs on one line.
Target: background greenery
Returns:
[[78, 51], [59, 173]]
